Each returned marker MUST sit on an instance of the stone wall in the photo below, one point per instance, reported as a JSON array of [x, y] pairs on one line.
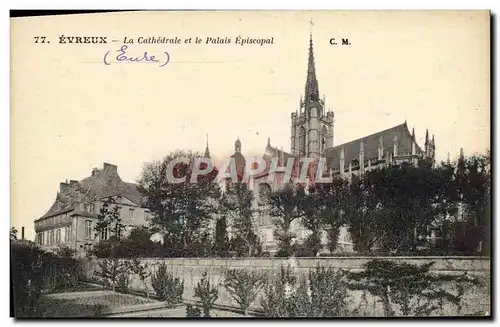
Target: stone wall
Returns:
[[476, 299]]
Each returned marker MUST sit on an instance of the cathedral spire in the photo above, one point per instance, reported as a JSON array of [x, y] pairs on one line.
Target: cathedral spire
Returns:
[[207, 151], [312, 90]]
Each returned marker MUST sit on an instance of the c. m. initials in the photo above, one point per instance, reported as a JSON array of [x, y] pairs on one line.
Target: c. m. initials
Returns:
[[333, 41]]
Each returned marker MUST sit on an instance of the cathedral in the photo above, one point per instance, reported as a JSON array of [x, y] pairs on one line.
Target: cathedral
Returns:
[[312, 136]]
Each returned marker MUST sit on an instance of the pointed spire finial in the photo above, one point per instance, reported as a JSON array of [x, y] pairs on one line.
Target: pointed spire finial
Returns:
[[413, 133], [312, 90], [448, 158], [207, 151], [426, 136], [237, 145], [461, 153], [268, 141]]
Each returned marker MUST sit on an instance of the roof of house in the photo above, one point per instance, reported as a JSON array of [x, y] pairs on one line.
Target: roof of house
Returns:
[[371, 145], [102, 183]]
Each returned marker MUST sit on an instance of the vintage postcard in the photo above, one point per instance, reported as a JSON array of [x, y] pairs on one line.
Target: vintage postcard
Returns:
[[238, 164]]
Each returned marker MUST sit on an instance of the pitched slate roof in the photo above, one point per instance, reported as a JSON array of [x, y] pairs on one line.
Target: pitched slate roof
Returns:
[[370, 146], [102, 183]]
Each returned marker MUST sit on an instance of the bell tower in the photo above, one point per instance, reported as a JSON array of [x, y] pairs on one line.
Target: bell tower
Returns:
[[312, 124]]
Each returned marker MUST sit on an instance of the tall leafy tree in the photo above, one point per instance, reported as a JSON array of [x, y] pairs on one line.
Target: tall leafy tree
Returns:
[[180, 211], [317, 211], [284, 207], [361, 212], [409, 199], [237, 206], [473, 181], [109, 218], [221, 241]]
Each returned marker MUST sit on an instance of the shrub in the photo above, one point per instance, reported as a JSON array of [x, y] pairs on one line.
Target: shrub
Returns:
[[27, 277], [243, 286], [143, 271], [34, 270], [123, 283], [192, 311], [406, 289], [166, 287], [112, 271], [206, 293], [322, 293]]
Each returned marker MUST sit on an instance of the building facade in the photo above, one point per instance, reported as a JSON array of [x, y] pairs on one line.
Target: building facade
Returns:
[[312, 136], [71, 219]]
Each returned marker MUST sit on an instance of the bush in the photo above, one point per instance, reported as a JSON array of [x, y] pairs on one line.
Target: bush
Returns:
[[409, 290], [192, 311], [206, 293], [166, 287], [322, 293], [113, 272], [243, 286], [27, 277], [34, 270]]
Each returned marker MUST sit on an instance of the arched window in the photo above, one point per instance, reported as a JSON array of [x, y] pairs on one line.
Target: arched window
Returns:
[[264, 193], [324, 133], [302, 141]]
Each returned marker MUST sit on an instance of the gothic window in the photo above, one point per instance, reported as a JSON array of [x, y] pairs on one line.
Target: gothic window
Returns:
[[324, 133], [302, 141], [264, 193]]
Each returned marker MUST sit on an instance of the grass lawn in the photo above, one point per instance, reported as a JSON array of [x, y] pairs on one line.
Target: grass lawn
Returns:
[[81, 287], [92, 305]]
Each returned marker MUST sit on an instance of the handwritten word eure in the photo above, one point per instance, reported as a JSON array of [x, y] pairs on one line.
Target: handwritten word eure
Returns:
[[124, 57]]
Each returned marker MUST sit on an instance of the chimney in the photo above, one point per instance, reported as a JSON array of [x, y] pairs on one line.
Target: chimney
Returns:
[[109, 168], [63, 187], [72, 183], [95, 170], [22, 233]]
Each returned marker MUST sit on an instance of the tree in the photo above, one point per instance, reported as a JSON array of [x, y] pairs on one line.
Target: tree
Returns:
[[237, 206], [407, 200], [243, 286], [180, 211], [139, 243], [406, 289], [473, 180], [362, 213], [312, 208], [109, 219], [284, 207], [207, 293], [221, 243]]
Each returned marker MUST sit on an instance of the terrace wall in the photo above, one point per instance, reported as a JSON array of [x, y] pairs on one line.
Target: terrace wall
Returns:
[[191, 270]]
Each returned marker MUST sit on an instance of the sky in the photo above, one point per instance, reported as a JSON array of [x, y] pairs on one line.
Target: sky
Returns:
[[70, 112]]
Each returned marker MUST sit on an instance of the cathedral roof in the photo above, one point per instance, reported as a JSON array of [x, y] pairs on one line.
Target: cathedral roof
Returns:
[[277, 153], [101, 184], [370, 146]]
